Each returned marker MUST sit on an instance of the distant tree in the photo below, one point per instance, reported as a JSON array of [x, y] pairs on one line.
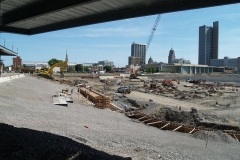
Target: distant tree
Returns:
[[149, 70], [70, 69], [95, 64], [86, 69], [107, 68], [153, 70], [157, 69], [79, 68], [6, 67], [53, 61]]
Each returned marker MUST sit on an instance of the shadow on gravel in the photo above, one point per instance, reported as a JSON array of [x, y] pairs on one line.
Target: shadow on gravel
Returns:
[[22, 143]]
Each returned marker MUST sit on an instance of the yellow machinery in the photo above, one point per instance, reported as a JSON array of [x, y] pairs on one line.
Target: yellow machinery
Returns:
[[49, 72]]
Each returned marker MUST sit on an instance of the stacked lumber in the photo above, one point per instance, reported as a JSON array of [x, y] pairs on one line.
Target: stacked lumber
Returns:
[[99, 100]]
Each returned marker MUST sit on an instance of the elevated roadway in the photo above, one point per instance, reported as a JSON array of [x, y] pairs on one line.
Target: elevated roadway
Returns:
[[38, 16]]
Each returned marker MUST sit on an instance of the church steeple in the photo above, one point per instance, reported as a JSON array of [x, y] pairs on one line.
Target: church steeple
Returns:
[[66, 59]]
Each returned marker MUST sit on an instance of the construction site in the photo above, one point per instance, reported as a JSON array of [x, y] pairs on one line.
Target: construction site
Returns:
[[154, 111], [117, 117], [192, 103]]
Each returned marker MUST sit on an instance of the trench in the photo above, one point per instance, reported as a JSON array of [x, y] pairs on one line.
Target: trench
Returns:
[[176, 127]]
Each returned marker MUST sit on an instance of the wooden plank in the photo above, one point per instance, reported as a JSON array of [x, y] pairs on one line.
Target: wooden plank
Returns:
[[236, 137], [164, 126], [191, 131], [147, 120], [155, 122], [115, 107], [177, 128], [142, 118]]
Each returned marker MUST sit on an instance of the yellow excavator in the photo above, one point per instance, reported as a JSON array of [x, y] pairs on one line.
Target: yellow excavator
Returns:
[[49, 72]]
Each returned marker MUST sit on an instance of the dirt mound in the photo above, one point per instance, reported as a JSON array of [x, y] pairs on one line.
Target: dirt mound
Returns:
[[172, 115], [22, 143], [216, 136], [181, 117]]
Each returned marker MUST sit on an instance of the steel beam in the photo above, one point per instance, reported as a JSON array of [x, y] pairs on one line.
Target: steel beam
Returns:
[[40, 8], [14, 30], [133, 13]]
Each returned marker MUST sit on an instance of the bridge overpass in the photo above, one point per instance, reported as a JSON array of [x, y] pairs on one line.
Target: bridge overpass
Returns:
[[31, 17]]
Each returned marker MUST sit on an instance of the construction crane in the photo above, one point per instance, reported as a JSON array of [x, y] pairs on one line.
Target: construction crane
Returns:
[[134, 74], [153, 32]]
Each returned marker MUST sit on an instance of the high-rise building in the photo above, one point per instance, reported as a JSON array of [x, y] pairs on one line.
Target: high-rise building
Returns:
[[139, 50], [106, 63], [208, 43], [171, 56], [134, 60]]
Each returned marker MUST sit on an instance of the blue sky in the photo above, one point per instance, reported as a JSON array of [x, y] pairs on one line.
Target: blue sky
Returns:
[[112, 41]]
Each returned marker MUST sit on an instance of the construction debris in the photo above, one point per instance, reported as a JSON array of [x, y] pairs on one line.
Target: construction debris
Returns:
[[59, 100], [184, 92]]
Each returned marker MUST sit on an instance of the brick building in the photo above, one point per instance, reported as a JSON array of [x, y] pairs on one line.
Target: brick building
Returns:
[[17, 62]]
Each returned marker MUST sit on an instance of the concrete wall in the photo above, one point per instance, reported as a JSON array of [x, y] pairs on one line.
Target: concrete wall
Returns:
[[8, 78]]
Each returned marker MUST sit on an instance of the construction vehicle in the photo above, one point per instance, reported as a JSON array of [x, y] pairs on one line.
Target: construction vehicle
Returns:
[[133, 76], [49, 72], [124, 89], [169, 82]]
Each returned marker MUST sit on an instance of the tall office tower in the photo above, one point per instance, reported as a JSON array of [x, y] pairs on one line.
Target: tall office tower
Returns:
[[215, 40], [208, 43], [139, 50], [171, 56]]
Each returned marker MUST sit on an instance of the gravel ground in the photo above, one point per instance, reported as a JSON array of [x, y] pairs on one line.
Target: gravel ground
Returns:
[[27, 103]]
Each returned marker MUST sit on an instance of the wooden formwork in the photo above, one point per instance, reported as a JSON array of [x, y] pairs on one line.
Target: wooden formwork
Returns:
[[100, 100], [233, 134], [164, 125], [105, 103]]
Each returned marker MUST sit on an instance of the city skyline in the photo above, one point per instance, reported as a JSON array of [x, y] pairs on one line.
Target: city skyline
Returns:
[[112, 41]]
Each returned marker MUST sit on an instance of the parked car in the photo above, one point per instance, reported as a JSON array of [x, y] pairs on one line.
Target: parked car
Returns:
[[124, 89]]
